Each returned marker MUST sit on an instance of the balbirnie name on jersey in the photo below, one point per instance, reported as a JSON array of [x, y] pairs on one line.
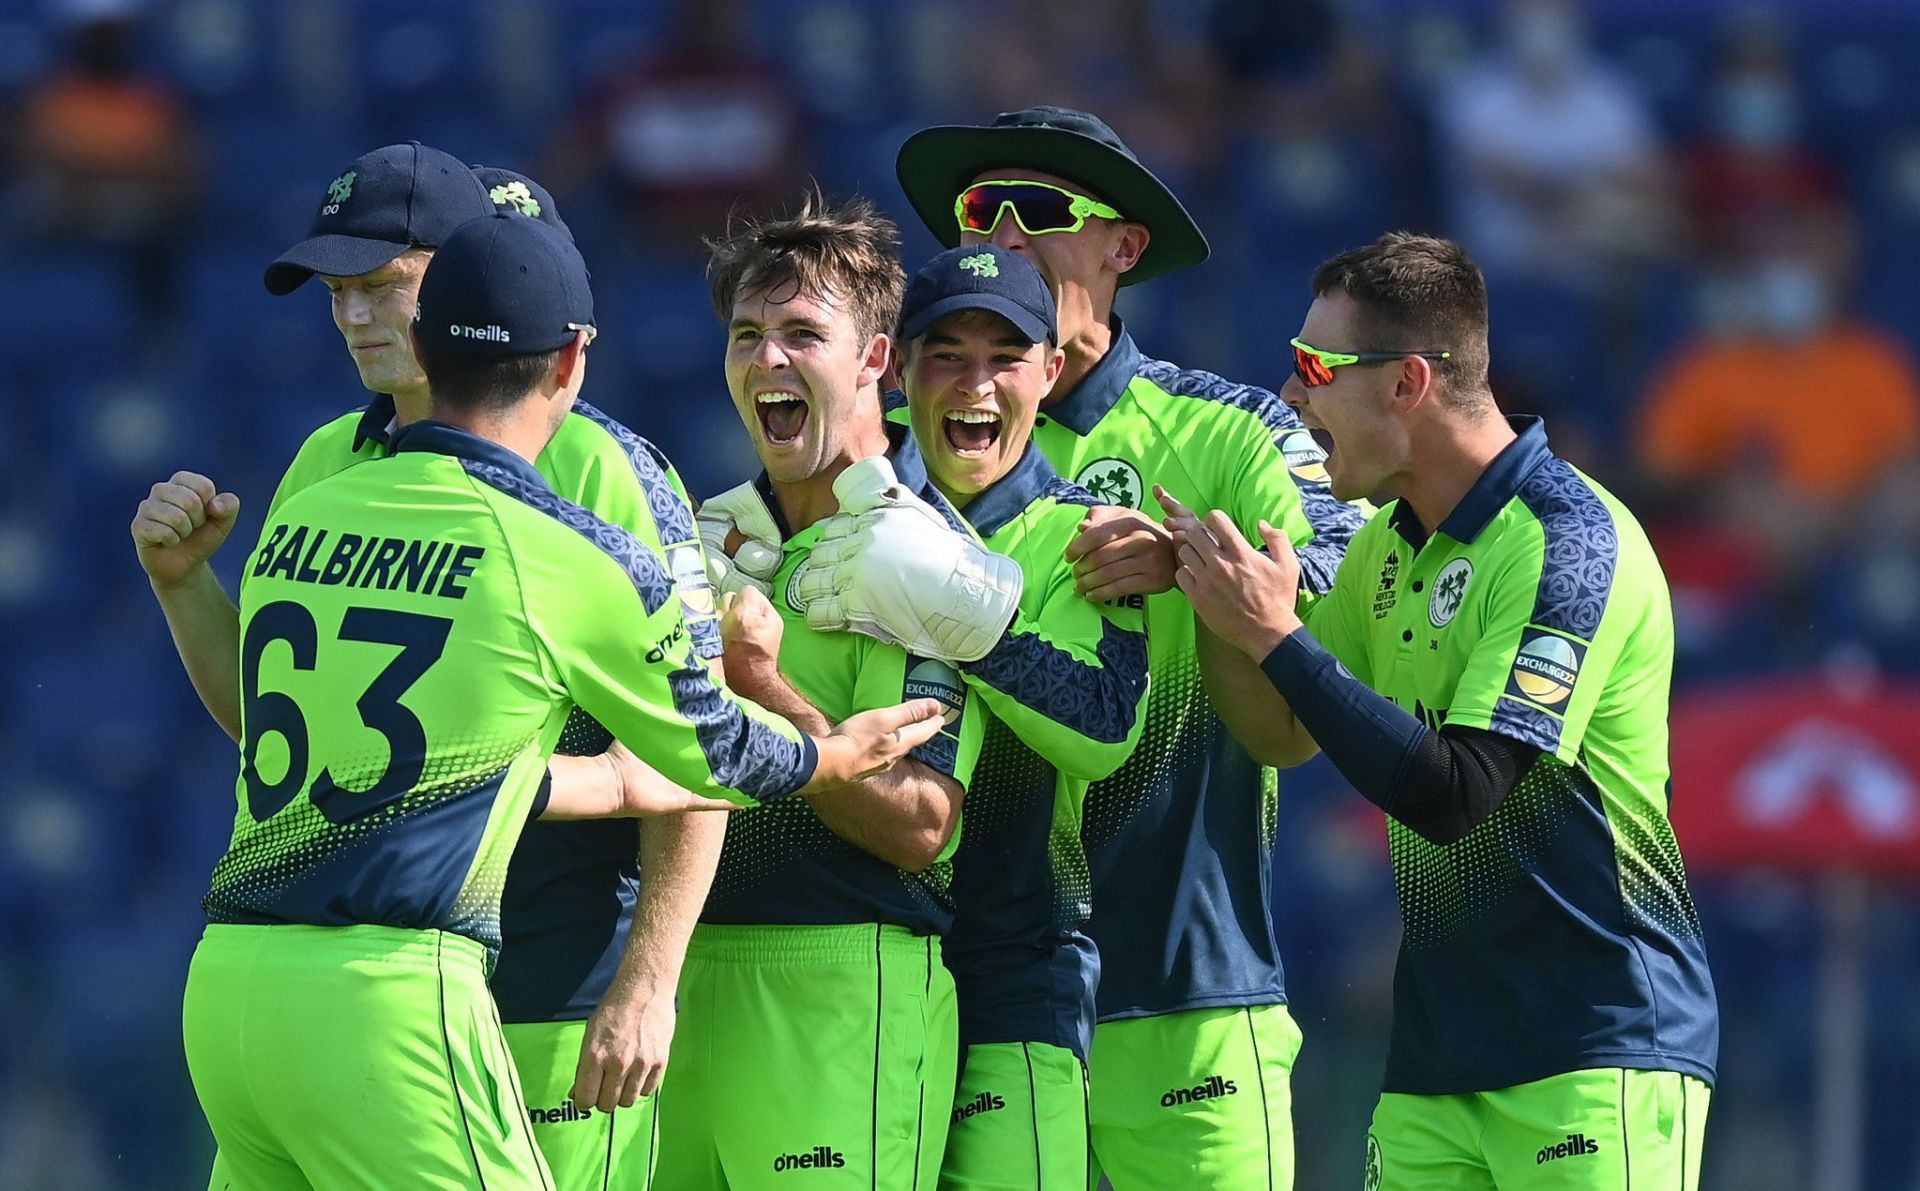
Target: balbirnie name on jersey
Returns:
[[303, 554]]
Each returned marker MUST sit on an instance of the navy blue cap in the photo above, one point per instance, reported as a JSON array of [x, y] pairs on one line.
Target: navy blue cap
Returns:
[[383, 203], [517, 194], [504, 286], [980, 277]]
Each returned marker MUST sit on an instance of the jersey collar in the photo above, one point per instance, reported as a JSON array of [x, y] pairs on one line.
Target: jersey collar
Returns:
[[1496, 487], [376, 423], [442, 439], [1009, 496], [1100, 389]]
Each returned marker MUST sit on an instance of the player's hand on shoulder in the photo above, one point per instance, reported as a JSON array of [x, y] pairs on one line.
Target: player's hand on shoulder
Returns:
[[1121, 552], [889, 565], [742, 540], [180, 525]]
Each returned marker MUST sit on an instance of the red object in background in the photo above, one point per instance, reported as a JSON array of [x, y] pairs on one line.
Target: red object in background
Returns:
[[1793, 775]]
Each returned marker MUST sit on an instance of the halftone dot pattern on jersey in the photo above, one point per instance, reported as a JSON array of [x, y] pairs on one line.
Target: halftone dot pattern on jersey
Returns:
[[583, 736], [1011, 802], [1444, 889], [1653, 878], [1179, 731], [761, 844], [259, 877]]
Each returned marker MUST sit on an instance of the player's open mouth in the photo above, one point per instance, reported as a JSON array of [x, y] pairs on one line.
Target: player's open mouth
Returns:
[[783, 416], [971, 432]]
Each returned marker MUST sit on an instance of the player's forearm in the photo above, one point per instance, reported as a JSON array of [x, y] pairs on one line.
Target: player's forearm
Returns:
[[678, 856], [581, 788], [206, 632], [905, 816], [1246, 701]]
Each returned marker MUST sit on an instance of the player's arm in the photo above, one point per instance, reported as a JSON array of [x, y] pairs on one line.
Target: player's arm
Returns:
[[1069, 677], [1440, 784], [905, 816], [613, 628], [615, 784], [1246, 702], [176, 530], [628, 1039]]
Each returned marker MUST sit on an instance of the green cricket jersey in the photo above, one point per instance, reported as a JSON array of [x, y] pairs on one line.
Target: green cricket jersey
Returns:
[[1180, 839], [1559, 934], [783, 865], [1066, 684], [414, 635], [572, 887]]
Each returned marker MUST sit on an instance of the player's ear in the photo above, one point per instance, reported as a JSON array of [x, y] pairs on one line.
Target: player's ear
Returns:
[[570, 363], [1128, 247], [1418, 382], [1056, 360], [876, 364]]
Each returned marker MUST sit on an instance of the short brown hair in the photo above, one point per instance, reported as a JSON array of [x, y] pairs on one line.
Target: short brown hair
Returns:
[[848, 252], [479, 384], [1417, 293]]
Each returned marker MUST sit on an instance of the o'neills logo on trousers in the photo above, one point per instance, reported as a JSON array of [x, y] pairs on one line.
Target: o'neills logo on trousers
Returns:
[[1214, 1087], [821, 1156], [560, 1116], [984, 1102], [1576, 1143]]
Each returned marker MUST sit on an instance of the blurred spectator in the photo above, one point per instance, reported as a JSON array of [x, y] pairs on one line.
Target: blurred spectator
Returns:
[[687, 132], [1555, 164], [1752, 179], [105, 155]]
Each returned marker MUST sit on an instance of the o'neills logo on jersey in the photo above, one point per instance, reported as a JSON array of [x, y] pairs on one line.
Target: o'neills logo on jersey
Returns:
[[491, 333], [932, 679], [1575, 1145], [1545, 668], [984, 1102], [1113, 482], [1213, 1089], [821, 1157], [567, 1113]]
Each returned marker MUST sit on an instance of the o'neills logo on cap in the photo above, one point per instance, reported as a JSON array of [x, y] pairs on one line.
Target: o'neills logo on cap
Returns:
[[492, 333]]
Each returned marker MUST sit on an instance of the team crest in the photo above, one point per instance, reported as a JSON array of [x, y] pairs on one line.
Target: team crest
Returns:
[[516, 197], [1305, 459], [1374, 1164], [1113, 482], [795, 602], [1449, 592]]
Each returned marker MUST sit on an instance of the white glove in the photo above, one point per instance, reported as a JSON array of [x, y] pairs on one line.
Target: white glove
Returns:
[[758, 559], [890, 566]]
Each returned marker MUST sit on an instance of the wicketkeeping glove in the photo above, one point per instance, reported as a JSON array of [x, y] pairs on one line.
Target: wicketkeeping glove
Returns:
[[758, 559], [890, 566]]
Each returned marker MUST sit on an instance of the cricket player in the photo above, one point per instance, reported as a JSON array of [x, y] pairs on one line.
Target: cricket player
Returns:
[[1491, 669], [414, 637], [1067, 686], [1193, 1054], [581, 928], [815, 976]]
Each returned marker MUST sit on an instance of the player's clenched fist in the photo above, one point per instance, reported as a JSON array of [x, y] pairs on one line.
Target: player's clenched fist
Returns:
[[751, 632], [180, 524]]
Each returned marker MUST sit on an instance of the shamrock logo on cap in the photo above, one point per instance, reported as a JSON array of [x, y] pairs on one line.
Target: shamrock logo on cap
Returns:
[[981, 265], [517, 196], [341, 189]]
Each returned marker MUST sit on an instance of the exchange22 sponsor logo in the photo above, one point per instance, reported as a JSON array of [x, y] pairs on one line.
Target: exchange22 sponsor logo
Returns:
[[1545, 668]]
